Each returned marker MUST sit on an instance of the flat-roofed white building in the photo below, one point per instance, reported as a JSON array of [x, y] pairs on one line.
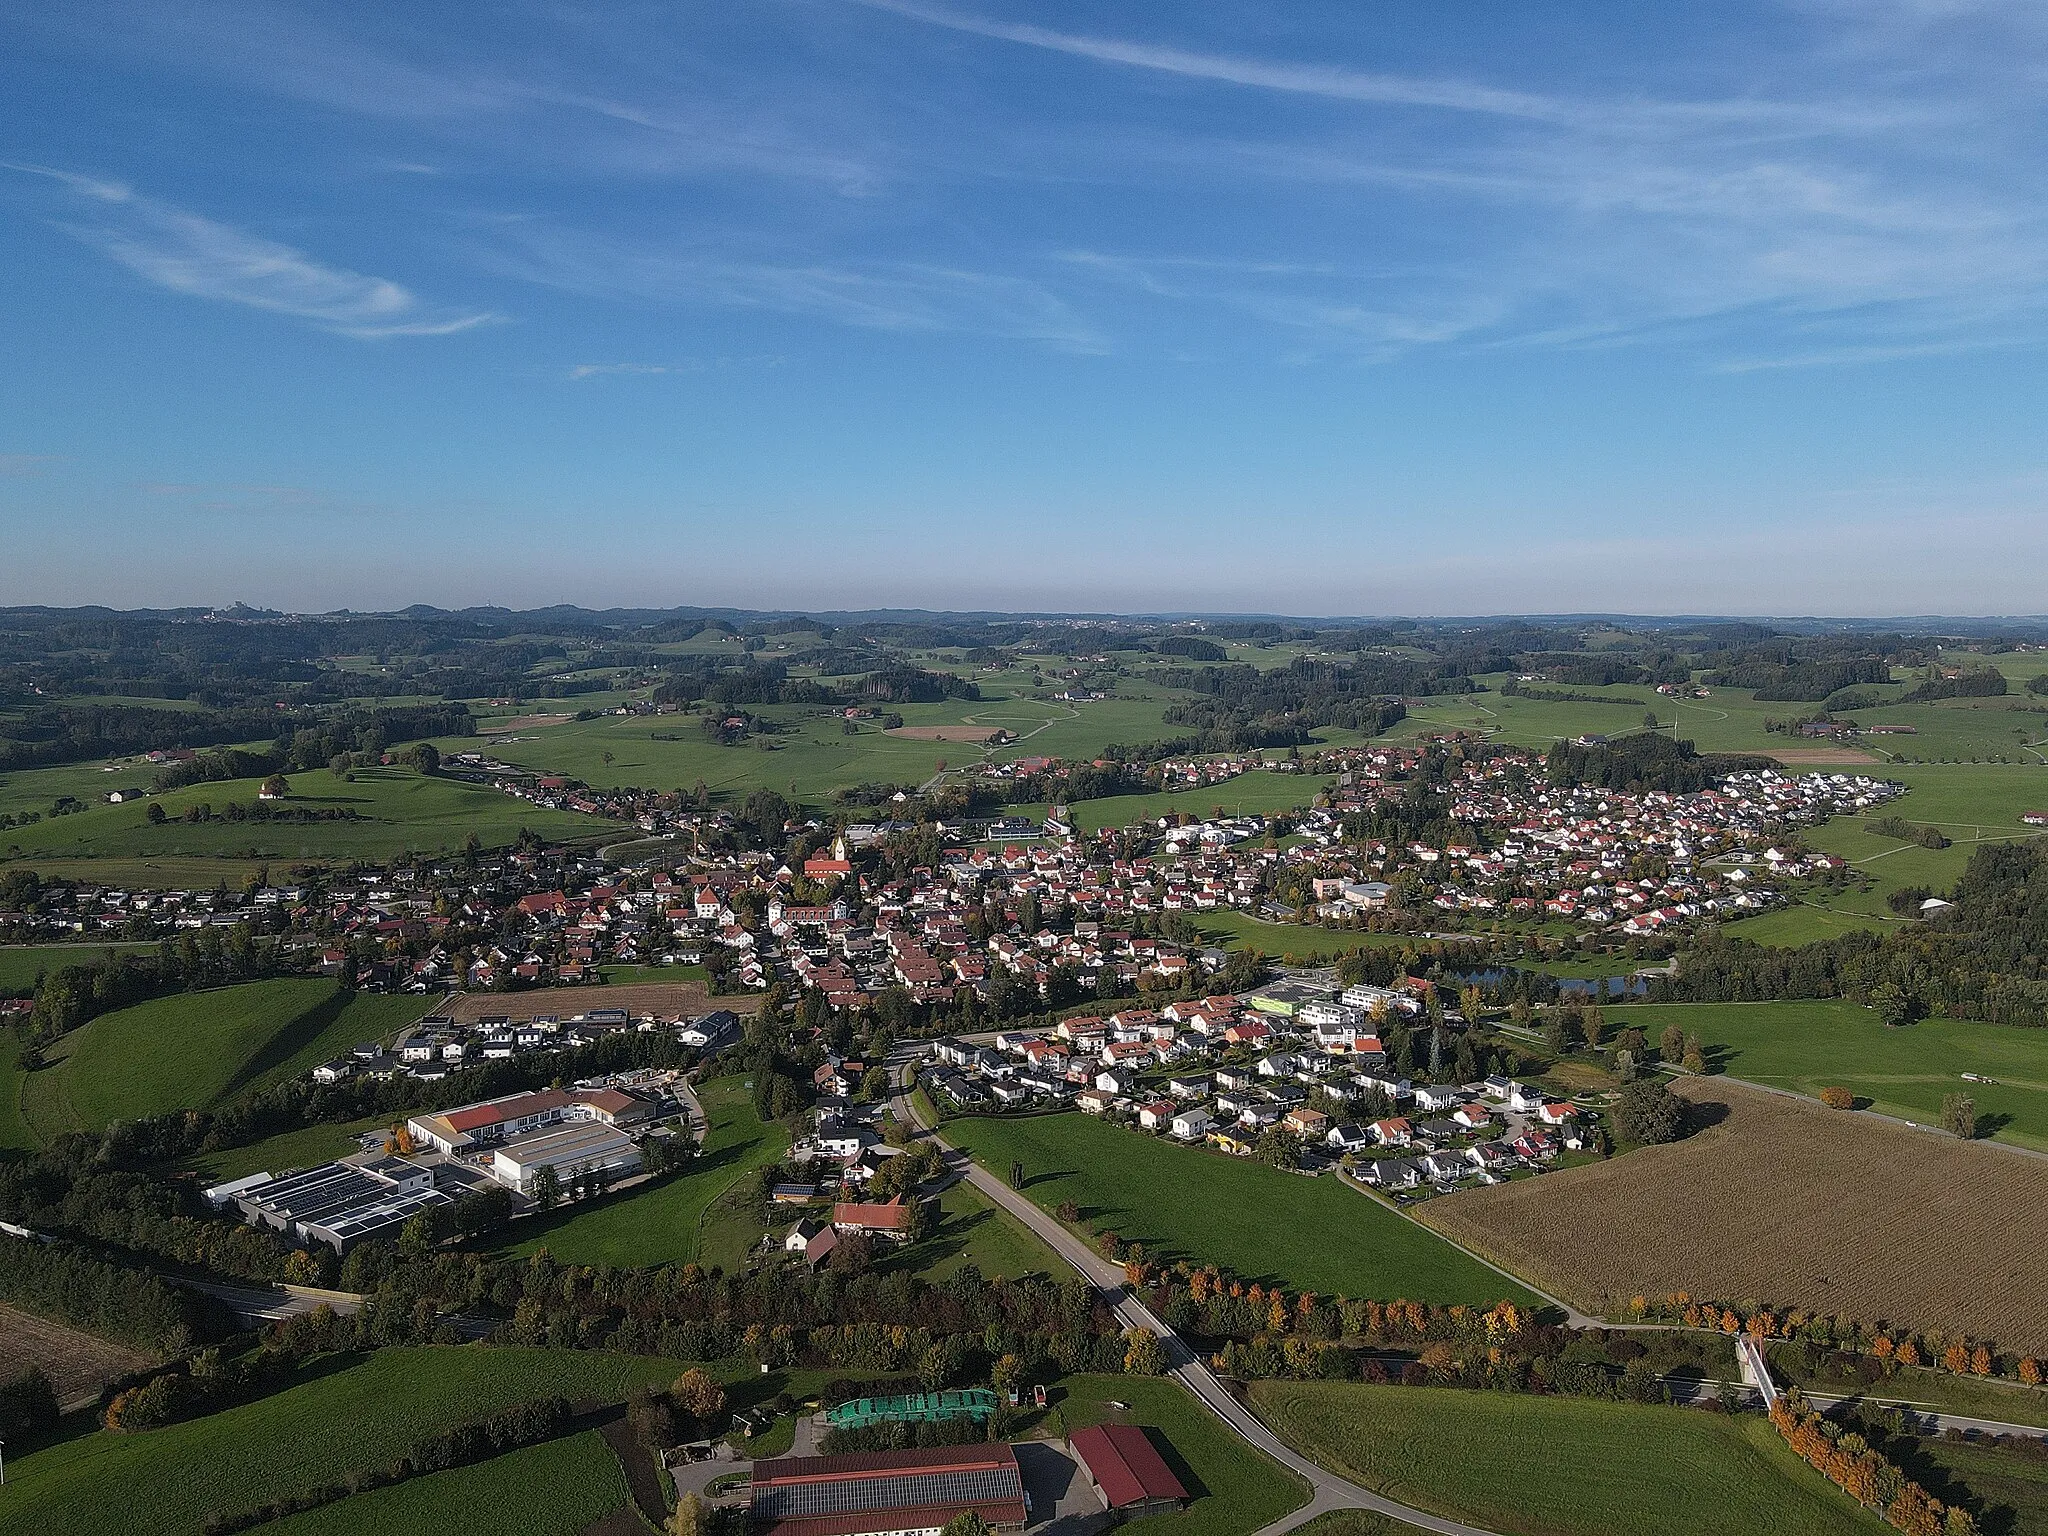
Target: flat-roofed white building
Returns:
[[571, 1148]]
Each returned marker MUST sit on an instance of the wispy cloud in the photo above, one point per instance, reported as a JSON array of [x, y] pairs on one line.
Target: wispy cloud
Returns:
[[869, 294], [19, 466], [191, 254], [582, 371]]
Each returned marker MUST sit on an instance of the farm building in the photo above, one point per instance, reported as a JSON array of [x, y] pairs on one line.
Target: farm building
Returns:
[[339, 1204], [901, 1493], [1126, 1468]]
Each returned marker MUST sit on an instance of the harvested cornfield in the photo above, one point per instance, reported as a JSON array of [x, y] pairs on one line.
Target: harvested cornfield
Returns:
[[1784, 1202], [76, 1363], [664, 999]]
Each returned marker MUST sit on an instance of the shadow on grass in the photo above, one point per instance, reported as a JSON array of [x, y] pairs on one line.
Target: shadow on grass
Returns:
[[528, 1228], [289, 1041]]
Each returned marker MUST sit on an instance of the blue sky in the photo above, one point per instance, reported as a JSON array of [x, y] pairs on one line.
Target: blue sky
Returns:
[[1357, 309]]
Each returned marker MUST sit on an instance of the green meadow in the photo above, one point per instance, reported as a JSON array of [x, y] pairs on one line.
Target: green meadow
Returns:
[[1560, 1466], [1907, 1071], [1309, 1234], [197, 1049]]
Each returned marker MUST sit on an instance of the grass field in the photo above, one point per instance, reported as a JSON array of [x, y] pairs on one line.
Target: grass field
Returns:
[[300, 1148], [2008, 1489], [1308, 1234], [1811, 1045], [21, 964], [399, 812], [1236, 1490], [1783, 1202], [664, 1222], [1254, 794], [1560, 1466], [972, 1230], [1974, 1397], [545, 1490], [350, 1413], [197, 1049]]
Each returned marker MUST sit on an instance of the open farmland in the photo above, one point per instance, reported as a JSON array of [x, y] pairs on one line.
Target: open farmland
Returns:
[[1808, 1046], [396, 811], [197, 1049], [1560, 1466], [1784, 1202], [78, 1364], [346, 1413], [1306, 1233], [671, 999]]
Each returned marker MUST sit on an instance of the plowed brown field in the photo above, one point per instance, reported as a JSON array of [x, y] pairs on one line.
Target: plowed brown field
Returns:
[[76, 1363], [1787, 1203]]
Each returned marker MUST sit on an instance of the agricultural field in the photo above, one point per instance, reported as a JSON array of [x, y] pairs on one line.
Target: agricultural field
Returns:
[[685, 994], [973, 1230], [16, 1136], [1560, 1466], [664, 1222], [543, 1490], [1993, 1398], [2007, 1488], [1305, 1233], [193, 1050], [1784, 1202], [398, 812], [22, 964], [1808, 1046], [1250, 794], [78, 1364], [304, 1147], [347, 1413], [1236, 1490]]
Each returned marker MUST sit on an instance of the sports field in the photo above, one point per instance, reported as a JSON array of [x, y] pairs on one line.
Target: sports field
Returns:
[[348, 1413], [197, 1049], [1906, 1071], [1784, 1202], [1304, 1233], [1560, 1466], [663, 1222]]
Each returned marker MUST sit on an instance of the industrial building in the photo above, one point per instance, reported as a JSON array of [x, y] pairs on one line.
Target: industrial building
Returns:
[[889, 1493], [1125, 1467], [339, 1204], [570, 1148]]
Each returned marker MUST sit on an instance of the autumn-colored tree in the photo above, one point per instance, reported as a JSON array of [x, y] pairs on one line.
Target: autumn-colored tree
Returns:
[[1956, 1359], [1908, 1353], [1143, 1353], [691, 1517], [698, 1395], [2030, 1371], [1980, 1360], [1838, 1098]]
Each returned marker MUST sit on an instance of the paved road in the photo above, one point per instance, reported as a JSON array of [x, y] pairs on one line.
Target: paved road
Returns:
[[1327, 1491], [270, 1303]]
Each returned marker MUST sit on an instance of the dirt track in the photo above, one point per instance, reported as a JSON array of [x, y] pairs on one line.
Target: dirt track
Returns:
[[974, 733], [1824, 757]]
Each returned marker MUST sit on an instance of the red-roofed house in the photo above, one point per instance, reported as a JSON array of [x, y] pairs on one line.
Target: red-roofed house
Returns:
[[1127, 1469]]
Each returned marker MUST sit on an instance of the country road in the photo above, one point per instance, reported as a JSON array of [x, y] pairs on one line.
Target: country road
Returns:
[[1327, 1491]]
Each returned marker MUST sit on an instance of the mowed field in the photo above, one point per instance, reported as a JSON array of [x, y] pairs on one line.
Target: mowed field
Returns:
[[551, 1489], [1560, 1466], [197, 1049], [1788, 1203], [1305, 1233], [76, 1363], [1808, 1046], [664, 1222], [22, 964], [347, 1414], [397, 812]]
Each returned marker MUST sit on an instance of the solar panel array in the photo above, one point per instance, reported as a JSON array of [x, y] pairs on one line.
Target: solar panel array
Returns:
[[909, 1490]]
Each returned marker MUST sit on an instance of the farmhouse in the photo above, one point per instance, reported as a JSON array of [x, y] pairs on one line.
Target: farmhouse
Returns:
[[1125, 1467], [888, 1493]]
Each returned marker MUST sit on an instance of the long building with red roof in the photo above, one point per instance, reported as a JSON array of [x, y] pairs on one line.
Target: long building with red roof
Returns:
[[889, 1493]]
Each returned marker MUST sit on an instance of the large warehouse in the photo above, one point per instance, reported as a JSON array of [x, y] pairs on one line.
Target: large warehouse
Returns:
[[889, 1493], [339, 1204], [567, 1148]]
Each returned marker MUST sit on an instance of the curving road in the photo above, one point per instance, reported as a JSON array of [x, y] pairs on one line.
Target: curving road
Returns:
[[1327, 1491]]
